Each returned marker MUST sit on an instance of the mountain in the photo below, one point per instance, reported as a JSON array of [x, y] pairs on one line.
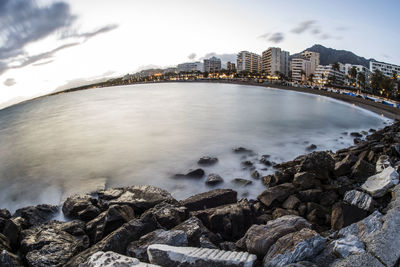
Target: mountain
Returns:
[[330, 55]]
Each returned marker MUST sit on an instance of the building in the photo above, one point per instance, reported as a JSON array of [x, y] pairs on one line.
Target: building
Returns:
[[325, 74], [275, 61], [190, 67], [313, 57], [301, 69], [360, 69], [212, 64], [248, 61], [231, 66], [386, 68]]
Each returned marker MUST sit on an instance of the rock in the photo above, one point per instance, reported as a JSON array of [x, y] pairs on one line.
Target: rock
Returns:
[[50, 245], [35, 215], [348, 245], [344, 214], [206, 243], [379, 184], [285, 176], [207, 161], [241, 182], [214, 179], [343, 167], [259, 238], [265, 160], [83, 207], [278, 212], [279, 193], [359, 199], [168, 215], [197, 173], [230, 221], [231, 246], [291, 203], [9, 259], [242, 150], [311, 147], [357, 140], [320, 163], [306, 180], [328, 198], [268, 180], [5, 214], [294, 247], [263, 219], [247, 163], [310, 195], [112, 259], [362, 169], [110, 193], [108, 221], [355, 134], [302, 264], [317, 214], [255, 174], [195, 230], [12, 230], [4, 243], [198, 257], [118, 240], [395, 148], [382, 163], [210, 199], [142, 197], [138, 248]]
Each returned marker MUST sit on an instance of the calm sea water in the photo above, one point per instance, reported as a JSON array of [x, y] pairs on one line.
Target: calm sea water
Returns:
[[144, 134]]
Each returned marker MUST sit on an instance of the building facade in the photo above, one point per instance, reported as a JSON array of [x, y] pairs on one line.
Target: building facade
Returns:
[[313, 57], [275, 61], [212, 64], [248, 61], [386, 68], [231, 66], [325, 74], [301, 69], [190, 67]]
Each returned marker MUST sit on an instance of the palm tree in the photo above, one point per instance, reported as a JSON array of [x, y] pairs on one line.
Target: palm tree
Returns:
[[361, 80], [335, 67], [353, 74], [311, 78]]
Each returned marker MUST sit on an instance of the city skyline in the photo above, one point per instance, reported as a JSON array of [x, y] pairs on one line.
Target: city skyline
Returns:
[[90, 40]]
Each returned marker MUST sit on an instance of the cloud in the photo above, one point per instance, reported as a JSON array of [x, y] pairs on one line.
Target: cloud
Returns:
[[9, 82], [276, 37], [303, 26], [341, 28], [264, 36], [43, 63], [315, 31], [325, 36], [88, 35], [192, 56], [224, 57]]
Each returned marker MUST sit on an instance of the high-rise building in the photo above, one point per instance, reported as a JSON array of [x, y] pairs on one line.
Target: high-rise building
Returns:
[[326, 74], [230, 66], [386, 68], [275, 61], [212, 64], [247, 61], [190, 67], [301, 69], [313, 57]]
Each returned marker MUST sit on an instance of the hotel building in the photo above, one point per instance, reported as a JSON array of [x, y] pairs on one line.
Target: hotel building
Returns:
[[274, 60], [212, 64], [247, 61], [386, 68]]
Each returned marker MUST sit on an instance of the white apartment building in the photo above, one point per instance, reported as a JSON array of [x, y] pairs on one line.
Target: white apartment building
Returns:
[[386, 68], [275, 60], [248, 61], [301, 69], [360, 69], [212, 64], [313, 57], [325, 73], [190, 67]]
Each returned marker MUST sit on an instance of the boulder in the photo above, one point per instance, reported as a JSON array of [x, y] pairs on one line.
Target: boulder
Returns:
[[382, 163], [265, 160], [112, 259], [311, 147], [302, 264], [317, 214], [259, 238], [279, 212], [110, 193], [279, 193], [142, 197], [284, 176], [321, 163], [168, 215], [310, 195], [4, 215], [344, 214], [343, 167], [242, 150], [328, 198], [294, 247], [83, 207], [247, 163], [108, 221], [214, 179], [207, 161], [12, 230], [138, 248], [197, 173], [241, 182], [347, 245], [255, 174], [35, 215], [355, 134], [210, 199], [362, 169], [306, 180], [379, 184], [9, 259], [291, 203], [198, 257], [195, 230], [231, 246], [359, 199]]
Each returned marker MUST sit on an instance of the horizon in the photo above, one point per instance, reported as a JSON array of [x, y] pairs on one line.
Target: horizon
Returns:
[[95, 40]]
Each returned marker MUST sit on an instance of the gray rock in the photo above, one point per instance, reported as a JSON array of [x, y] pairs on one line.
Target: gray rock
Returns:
[[294, 247], [343, 167], [195, 230], [138, 248], [81, 207], [382, 163], [198, 257], [302, 264], [358, 260], [168, 215], [279, 193], [9, 259], [379, 184], [259, 238], [242, 150], [362, 169], [241, 182], [112, 259], [344, 214], [255, 174], [207, 161], [359, 199], [110, 193], [210, 199], [214, 179], [321, 163], [347, 245], [35, 215]]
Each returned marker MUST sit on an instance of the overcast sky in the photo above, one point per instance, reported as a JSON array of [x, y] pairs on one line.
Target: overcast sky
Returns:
[[47, 44]]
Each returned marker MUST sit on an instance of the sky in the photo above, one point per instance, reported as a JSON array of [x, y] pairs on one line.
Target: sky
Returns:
[[48, 45]]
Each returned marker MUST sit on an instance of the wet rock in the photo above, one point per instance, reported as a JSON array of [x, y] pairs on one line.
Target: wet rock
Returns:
[[242, 150], [230, 246], [265, 160], [302, 264], [382, 163], [355, 134], [279, 193], [12, 230], [35, 215], [284, 176], [207, 161], [263, 219], [350, 244], [206, 243], [379, 184], [259, 238], [197, 257], [311, 147], [111, 259], [359, 199], [9, 259], [293, 247], [241, 182], [210, 199], [110, 193], [138, 249], [195, 230], [395, 149], [320, 163], [247, 163], [279, 212], [317, 214], [214, 179], [255, 174], [357, 140], [268, 180], [108, 221], [168, 215], [328, 198], [344, 214], [5, 214], [306, 180], [230, 221], [82, 207], [197, 173], [291, 203], [142, 197], [343, 167], [362, 169], [310, 195]]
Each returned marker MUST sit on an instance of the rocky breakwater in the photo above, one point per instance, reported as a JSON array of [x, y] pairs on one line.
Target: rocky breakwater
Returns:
[[323, 208]]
